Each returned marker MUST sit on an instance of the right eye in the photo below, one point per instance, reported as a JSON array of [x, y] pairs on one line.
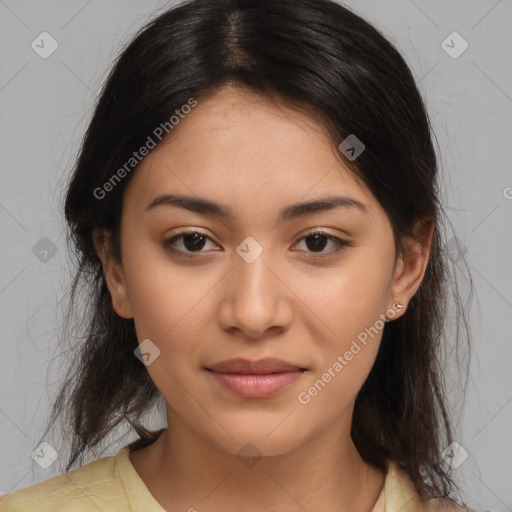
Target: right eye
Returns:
[[190, 242]]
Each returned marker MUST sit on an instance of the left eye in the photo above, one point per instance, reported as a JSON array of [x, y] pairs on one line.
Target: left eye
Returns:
[[193, 241], [318, 240]]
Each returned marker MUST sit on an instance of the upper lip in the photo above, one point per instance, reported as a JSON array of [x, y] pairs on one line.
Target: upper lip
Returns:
[[261, 366]]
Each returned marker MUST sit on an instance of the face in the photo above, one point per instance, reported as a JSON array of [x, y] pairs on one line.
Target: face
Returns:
[[256, 283]]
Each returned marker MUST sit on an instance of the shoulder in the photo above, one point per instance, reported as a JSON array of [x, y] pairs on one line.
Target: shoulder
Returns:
[[92, 487], [401, 495]]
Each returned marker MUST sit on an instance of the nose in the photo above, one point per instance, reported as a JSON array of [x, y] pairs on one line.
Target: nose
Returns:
[[256, 299]]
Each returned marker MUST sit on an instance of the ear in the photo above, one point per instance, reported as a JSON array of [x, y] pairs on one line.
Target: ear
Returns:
[[412, 263], [113, 273]]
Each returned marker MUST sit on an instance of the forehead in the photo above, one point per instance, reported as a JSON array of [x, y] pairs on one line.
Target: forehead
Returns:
[[240, 147]]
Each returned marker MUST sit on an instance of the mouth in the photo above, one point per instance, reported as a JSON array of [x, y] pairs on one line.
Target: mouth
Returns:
[[264, 366], [255, 379]]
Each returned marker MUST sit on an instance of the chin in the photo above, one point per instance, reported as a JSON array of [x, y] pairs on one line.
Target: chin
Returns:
[[257, 443]]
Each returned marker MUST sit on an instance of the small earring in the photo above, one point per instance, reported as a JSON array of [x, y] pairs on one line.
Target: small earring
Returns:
[[391, 313]]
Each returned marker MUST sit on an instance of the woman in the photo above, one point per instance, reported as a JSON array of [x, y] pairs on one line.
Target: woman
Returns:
[[255, 211]]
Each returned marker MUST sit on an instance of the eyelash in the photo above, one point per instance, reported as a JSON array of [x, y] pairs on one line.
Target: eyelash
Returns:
[[167, 244]]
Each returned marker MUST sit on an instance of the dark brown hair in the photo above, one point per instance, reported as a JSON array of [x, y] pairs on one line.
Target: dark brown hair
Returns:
[[321, 57]]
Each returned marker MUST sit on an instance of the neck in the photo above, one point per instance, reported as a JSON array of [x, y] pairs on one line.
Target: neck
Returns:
[[183, 470]]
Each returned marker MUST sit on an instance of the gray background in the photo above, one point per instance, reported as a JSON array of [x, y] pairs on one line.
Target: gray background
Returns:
[[46, 104]]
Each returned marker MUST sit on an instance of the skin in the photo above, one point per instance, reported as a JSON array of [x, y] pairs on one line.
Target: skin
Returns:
[[256, 156]]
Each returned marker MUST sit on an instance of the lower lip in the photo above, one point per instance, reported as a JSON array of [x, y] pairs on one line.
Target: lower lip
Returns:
[[256, 386]]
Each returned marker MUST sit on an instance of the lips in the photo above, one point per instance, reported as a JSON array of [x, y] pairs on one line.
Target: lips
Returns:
[[255, 379]]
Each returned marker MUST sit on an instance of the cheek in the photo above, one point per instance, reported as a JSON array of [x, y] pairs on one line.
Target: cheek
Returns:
[[162, 294], [349, 306], [349, 298], [170, 308], [347, 335]]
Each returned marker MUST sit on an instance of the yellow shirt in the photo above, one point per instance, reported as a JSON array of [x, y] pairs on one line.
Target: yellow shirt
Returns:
[[111, 484]]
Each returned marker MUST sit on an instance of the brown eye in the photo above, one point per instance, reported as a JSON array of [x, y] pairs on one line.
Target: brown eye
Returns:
[[194, 241], [318, 240], [187, 243]]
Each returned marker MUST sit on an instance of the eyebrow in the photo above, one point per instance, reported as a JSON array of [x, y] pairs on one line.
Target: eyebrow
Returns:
[[290, 212]]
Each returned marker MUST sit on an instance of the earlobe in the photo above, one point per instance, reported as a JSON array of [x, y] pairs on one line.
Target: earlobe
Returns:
[[412, 264], [113, 272]]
